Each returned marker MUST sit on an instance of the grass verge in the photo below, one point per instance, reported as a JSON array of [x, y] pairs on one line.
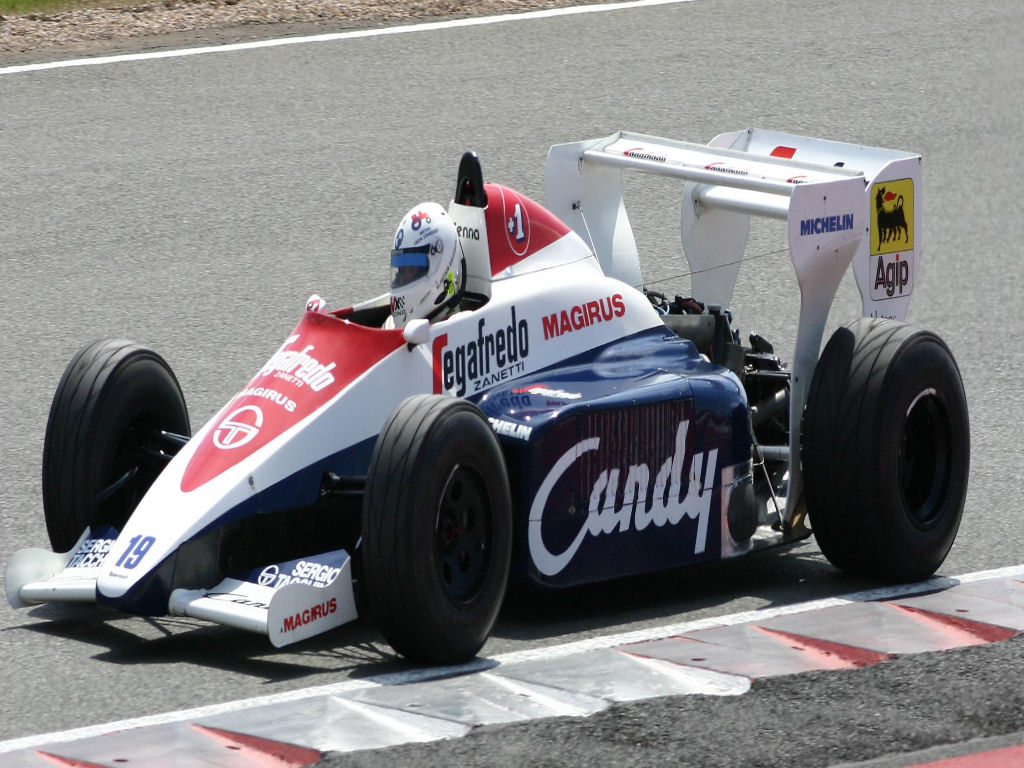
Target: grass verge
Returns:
[[25, 7]]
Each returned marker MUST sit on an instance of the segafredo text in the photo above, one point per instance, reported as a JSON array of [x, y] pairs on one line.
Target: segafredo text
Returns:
[[496, 354], [667, 502], [299, 367]]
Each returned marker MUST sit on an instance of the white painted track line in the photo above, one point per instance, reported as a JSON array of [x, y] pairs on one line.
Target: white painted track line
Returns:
[[332, 36]]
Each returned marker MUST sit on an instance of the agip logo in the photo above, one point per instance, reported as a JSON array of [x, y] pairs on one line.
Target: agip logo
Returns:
[[892, 239], [892, 221]]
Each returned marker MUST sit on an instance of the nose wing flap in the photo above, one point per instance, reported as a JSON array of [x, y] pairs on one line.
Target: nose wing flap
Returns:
[[287, 602], [40, 576]]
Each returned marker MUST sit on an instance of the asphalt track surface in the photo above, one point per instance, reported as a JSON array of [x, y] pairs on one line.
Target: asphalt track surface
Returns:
[[194, 203]]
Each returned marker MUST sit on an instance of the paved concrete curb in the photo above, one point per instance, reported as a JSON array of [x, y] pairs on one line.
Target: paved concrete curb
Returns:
[[719, 656]]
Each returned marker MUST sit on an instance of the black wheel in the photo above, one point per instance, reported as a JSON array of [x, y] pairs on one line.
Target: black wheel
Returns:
[[437, 530], [104, 442], [886, 450]]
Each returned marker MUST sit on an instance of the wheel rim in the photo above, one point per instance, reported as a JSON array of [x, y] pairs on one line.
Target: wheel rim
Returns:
[[925, 453], [142, 455], [462, 536]]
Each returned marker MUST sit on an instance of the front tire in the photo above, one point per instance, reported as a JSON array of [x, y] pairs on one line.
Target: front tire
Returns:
[[886, 450], [437, 530], [103, 446]]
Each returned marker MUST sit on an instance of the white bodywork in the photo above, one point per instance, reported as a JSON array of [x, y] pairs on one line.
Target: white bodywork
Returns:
[[173, 511], [313, 409], [839, 201]]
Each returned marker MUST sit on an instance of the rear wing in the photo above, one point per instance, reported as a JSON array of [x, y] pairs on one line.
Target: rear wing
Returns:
[[843, 204]]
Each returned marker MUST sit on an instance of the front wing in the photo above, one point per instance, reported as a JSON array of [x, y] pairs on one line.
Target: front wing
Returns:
[[287, 602]]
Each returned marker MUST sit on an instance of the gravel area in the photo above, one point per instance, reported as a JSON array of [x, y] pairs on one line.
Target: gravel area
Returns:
[[170, 23]]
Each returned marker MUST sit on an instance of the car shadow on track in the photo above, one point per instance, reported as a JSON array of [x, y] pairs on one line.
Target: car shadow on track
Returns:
[[355, 649], [760, 580], [529, 617]]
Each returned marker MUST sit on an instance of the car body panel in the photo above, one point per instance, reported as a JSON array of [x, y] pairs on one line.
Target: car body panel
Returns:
[[626, 447]]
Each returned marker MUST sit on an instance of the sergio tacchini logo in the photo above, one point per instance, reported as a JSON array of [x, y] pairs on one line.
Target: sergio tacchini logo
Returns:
[[238, 428]]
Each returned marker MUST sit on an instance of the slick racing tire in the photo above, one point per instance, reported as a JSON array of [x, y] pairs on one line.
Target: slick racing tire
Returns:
[[437, 530], [103, 446], [886, 450]]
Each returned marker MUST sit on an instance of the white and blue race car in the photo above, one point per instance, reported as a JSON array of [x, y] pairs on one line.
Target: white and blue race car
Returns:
[[566, 427]]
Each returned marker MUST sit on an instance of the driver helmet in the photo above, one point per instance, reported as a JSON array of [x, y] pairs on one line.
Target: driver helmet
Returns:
[[427, 270]]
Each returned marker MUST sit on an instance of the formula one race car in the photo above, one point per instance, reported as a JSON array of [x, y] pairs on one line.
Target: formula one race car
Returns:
[[566, 427]]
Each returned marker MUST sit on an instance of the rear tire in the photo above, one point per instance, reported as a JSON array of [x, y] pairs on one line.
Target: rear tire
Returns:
[[105, 420], [886, 450], [437, 530]]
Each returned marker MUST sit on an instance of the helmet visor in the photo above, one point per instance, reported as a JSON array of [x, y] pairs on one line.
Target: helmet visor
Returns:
[[409, 265]]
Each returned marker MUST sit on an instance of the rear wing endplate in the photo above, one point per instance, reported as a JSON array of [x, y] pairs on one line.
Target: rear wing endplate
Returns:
[[843, 203]]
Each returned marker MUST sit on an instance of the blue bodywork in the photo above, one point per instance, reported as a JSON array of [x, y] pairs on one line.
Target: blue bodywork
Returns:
[[641, 397]]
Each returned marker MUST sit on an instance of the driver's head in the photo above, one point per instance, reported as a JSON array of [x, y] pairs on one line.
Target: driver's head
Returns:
[[426, 265]]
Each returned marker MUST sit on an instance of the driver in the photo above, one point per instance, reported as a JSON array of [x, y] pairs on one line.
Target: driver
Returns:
[[428, 271]]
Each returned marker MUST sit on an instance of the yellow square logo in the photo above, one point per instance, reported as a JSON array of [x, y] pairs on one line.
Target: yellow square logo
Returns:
[[892, 221]]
